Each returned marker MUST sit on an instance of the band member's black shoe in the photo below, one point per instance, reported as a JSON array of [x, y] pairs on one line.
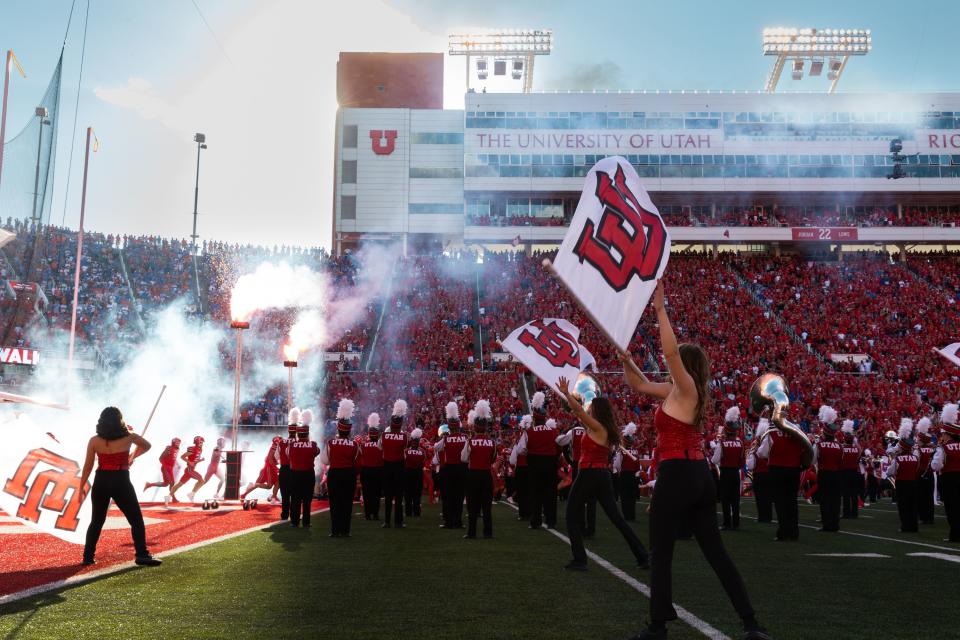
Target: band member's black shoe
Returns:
[[385, 525], [652, 632], [88, 561], [643, 563], [573, 565], [757, 633], [147, 561], [467, 536]]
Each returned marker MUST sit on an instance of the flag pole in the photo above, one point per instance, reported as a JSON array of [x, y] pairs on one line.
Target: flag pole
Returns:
[[76, 271], [152, 411], [11, 59]]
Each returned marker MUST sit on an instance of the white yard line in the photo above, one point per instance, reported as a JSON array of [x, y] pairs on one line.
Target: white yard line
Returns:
[[86, 577], [849, 555], [700, 625]]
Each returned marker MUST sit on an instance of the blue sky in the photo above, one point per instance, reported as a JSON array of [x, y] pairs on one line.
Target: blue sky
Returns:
[[154, 74]]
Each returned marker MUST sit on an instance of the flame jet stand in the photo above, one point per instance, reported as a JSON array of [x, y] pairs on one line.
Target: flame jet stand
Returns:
[[290, 365], [235, 457]]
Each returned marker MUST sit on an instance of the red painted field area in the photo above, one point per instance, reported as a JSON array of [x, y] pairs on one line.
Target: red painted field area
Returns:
[[30, 559]]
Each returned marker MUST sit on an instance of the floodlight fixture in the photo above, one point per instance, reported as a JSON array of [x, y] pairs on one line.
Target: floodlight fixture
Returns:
[[790, 43], [521, 44]]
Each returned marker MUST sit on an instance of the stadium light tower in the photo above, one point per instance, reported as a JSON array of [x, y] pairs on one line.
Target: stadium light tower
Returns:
[[201, 140], [507, 53], [832, 47]]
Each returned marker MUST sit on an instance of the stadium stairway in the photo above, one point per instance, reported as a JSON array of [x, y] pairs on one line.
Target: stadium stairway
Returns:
[[366, 358], [477, 325], [136, 303], [202, 287], [783, 324]]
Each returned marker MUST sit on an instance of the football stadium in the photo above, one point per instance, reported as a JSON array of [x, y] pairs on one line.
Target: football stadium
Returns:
[[492, 347]]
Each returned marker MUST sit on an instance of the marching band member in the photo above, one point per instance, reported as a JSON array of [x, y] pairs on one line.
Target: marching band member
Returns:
[[293, 417], [872, 465], [573, 438], [213, 469], [827, 456], [729, 456], [539, 442], [594, 478], [946, 462], [414, 459], [167, 460], [192, 457], [479, 453], [522, 472], [269, 477], [371, 471], [904, 470], [684, 491], [302, 453], [453, 471], [340, 455], [925, 483], [783, 454], [760, 467], [626, 464], [394, 441], [850, 471]]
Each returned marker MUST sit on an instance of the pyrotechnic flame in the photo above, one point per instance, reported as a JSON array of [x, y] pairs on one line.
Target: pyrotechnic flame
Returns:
[[291, 352], [274, 286]]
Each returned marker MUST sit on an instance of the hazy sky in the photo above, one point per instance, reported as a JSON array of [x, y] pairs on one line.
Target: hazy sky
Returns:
[[154, 74]]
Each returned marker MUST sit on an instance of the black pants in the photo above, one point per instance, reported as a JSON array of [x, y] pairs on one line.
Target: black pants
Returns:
[[341, 484], [907, 505], [522, 483], [730, 497], [479, 501], [873, 488], [393, 491], [950, 496], [761, 494], [114, 485], [285, 491], [543, 490], [685, 492], [413, 491], [454, 490], [784, 484], [301, 497], [850, 479], [628, 497], [590, 522], [828, 486], [371, 484], [597, 484], [925, 498]]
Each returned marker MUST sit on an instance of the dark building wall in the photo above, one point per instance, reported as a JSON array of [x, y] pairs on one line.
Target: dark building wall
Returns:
[[390, 80]]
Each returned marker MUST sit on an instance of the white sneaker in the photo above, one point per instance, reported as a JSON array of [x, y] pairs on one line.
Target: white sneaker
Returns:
[[217, 497], [272, 500], [166, 500], [190, 496]]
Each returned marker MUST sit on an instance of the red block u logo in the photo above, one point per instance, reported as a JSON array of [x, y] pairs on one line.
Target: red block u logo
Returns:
[[380, 147]]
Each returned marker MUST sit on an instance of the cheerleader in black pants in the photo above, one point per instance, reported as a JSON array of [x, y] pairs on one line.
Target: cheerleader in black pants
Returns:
[[594, 480], [685, 488]]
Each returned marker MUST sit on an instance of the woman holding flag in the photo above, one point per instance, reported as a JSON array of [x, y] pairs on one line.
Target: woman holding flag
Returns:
[[684, 490]]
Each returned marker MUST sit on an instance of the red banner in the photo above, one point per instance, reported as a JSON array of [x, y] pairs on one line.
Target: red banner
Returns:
[[16, 355], [824, 234], [23, 286]]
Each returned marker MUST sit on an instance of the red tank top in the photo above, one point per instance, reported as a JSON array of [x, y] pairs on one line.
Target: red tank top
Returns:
[[481, 454], [579, 433], [119, 461], [951, 458], [542, 441], [676, 439], [414, 458], [593, 455], [784, 450], [393, 446], [851, 457], [370, 454], [731, 454], [829, 455], [342, 453], [907, 466], [453, 449]]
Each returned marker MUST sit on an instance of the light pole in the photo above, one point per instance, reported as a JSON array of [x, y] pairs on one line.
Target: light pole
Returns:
[[41, 113], [11, 59], [201, 140]]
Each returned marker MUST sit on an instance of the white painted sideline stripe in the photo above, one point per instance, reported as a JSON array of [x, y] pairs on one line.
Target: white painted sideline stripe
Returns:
[[700, 625], [938, 556], [849, 555], [85, 577]]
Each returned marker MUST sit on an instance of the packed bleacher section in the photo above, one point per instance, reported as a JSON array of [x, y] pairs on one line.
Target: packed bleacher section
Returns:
[[438, 318]]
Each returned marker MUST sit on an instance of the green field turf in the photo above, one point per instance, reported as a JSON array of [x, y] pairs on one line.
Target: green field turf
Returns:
[[424, 582]]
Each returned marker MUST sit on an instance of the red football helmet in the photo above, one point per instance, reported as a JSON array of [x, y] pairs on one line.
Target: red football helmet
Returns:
[[198, 441], [277, 440], [175, 443]]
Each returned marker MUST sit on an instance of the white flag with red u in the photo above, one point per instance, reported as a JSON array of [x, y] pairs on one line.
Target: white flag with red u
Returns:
[[616, 249], [550, 349], [951, 352]]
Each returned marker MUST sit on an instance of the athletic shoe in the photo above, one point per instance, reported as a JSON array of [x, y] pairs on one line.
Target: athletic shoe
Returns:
[[146, 486], [573, 565], [190, 496], [467, 536], [272, 500], [147, 561], [756, 633]]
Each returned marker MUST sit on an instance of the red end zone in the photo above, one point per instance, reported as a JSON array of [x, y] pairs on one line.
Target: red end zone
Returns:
[[30, 559]]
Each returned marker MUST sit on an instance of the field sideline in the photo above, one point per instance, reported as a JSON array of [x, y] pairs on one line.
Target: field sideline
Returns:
[[428, 582]]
